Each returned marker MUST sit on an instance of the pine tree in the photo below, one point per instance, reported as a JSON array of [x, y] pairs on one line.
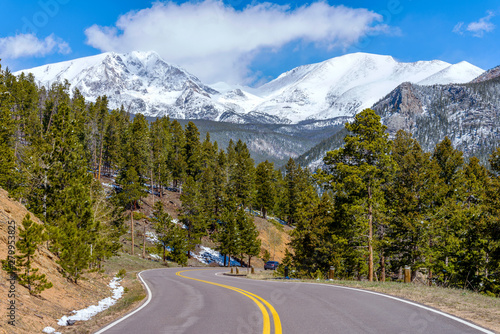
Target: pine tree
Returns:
[[163, 226], [138, 147], [192, 213], [293, 181], [30, 238], [492, 233], [266, 191], [177, 157], [115, 139], [7, 130], [411, 195], [250, 244], [161, 147], [241, 174], [444, 242], [220, 184], [229, 236], [67, 202], [472, 219], [179, 246], [193, 151], [358, 170], [132, 191]]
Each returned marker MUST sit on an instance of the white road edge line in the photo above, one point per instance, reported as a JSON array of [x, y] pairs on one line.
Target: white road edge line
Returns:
[[150, 296], [481, 329]]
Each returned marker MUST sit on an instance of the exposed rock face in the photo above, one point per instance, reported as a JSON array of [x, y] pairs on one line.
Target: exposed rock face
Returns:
[[401, 106], [468, 114], [488, 75]]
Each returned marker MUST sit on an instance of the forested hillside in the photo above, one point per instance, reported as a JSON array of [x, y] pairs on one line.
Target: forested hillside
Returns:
[[389, 204], [56, 147]]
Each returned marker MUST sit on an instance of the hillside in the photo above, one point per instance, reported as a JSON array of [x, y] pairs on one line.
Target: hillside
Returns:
[[33, 314], [273, 142], [274, 236]]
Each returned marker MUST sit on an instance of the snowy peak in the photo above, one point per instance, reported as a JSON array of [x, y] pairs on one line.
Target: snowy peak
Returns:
[[140, 81], [338, 87], [456, 73], [345, 85]]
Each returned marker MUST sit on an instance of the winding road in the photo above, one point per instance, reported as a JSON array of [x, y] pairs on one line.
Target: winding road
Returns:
[[203, 301]]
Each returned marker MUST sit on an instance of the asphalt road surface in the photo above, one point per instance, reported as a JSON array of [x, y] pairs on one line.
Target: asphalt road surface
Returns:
[[203, 301]]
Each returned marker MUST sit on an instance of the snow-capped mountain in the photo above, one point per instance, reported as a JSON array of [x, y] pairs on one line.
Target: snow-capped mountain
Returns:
[[140, 81], [468, 114], [345, 85], [339, 87]]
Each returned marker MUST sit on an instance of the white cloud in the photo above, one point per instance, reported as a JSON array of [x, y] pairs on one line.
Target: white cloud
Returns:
[[217, 42], [458, 28], [478, 28], [28, 45], [483, 25]]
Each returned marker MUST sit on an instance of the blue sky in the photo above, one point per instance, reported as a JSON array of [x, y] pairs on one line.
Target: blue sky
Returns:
[[249, 42]]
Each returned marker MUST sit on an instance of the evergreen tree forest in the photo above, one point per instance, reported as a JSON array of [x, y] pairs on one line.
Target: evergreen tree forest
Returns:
[[56, 147], [376, 206], [387, 204]]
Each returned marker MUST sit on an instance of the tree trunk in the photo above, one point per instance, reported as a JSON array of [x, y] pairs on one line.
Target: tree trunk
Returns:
[[370, 236], [152, 189], [132, 228], [144, 241], [382, 266], [100, 162]]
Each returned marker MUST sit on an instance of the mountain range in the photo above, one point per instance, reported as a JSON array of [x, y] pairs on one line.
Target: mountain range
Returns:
[[144, 83], [301, 112], [468, 114]]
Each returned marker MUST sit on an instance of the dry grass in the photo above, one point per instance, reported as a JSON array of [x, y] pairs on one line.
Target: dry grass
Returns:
[[274, 238], [480, 309]]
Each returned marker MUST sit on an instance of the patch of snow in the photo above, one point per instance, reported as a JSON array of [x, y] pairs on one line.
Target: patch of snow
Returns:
[[89, 312], [152, 237], [50, 330], [110, 185], [155, 256], [208, 255]]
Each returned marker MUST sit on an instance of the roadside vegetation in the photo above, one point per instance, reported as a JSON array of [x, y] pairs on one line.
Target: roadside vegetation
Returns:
[[475, 307]]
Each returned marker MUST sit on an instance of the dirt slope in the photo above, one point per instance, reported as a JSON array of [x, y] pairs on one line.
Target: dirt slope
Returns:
[[32, 314]]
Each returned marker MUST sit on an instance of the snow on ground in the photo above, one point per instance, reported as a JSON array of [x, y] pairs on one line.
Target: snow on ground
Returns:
[[152, 237], [208, 255], [50, 330], [110, 185], [89, 312], [155, 256]]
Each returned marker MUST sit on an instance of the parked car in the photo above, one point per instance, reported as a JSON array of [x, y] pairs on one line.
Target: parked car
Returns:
[[271, 265]]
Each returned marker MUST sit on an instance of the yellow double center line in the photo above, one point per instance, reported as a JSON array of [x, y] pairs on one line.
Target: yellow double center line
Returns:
[[266, 327]]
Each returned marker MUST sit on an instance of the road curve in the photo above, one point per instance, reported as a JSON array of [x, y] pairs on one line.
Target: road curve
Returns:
[[204, 301]]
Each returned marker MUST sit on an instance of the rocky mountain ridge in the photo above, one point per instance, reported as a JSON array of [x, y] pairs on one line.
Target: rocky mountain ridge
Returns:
[[338, 87], [468, 114]]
